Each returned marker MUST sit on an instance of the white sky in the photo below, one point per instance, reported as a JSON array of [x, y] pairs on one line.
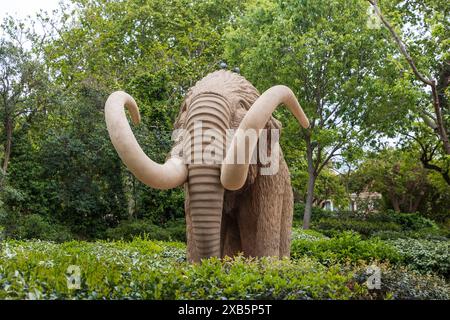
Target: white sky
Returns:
[[22, 8]]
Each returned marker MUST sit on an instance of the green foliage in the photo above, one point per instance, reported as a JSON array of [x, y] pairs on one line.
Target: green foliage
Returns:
[[405, 184], [346, 246], [412, 221], [63, 164], [64, 179], [143, 269], [36, 227], [315, 48], [425, 255], [309, 235], [426, 234], [67, 170], [152, 270], [421, 255], [174, 230], [299, 210], [383, 224], [399, 282], [366, 228]]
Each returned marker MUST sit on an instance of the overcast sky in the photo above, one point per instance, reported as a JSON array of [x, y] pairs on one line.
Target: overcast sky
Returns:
[[22, 8]]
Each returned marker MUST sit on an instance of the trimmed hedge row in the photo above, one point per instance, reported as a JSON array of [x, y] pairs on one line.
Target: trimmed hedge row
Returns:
[[345, 247], [385, 225], [144, 269], [174, 230]]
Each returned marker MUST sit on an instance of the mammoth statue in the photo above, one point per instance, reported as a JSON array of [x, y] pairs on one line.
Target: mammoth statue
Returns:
[[230, 205]]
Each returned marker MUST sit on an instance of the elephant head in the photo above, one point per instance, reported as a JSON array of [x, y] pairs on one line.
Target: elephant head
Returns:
[[222, 100]]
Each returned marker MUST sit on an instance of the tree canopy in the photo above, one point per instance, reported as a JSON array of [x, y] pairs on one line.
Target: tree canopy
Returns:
[[375, 123]]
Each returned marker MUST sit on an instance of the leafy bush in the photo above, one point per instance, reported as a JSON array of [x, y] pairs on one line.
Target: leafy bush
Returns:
[[310, 235], [144, 269], [413, 221], [35, 226], [383, 224], [427, 234], [299, 210], [425, 255], [174, 230], [329, 226], [399, 282], [347, 246]]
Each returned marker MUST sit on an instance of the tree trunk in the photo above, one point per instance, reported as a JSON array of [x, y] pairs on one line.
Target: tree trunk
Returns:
[[442, 130], [418, 200], [8, 142], [395, 204], [311, 183]]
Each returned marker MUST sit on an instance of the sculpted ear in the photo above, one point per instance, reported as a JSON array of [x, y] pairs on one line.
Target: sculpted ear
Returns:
[[238, 115]]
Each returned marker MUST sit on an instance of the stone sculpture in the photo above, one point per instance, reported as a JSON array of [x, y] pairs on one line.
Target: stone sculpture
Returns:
[[230, 205]]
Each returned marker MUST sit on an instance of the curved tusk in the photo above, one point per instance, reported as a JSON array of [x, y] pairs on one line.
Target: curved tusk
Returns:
[[232, 175], [166, 176]]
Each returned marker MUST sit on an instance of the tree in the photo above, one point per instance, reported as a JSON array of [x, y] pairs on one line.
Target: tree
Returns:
[[427, 54], [154, 50], [405, 185], [324, 51], [423, 139], [398, 177], [21, 76]]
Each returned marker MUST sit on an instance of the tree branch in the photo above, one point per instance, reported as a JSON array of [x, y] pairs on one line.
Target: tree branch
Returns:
[[400, 44], [328, 158], [442, 131]]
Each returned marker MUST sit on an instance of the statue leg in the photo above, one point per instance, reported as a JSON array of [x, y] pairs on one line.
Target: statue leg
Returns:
[[260, 218], [230, 238], [286, 222]]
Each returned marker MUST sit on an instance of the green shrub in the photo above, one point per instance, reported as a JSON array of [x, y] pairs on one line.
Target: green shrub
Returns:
[[413, 221], [172, 231], [399, 282], [385, 225], [176, 229], [299, 211], [144, 269], [329, 226], [310, 235], [267, 278], [425, 255], [427, 234], [347, 246], [35, 226]]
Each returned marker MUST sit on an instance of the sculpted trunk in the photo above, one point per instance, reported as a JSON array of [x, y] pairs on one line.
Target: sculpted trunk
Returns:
[[205, 192]]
